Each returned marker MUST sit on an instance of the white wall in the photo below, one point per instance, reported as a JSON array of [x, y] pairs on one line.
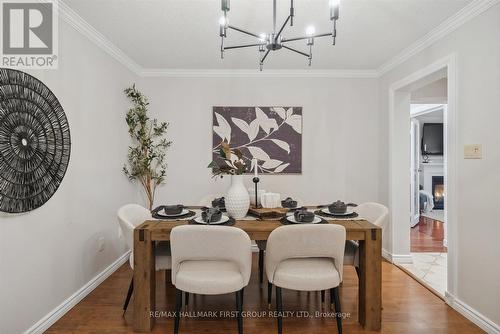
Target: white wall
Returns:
[[48, 254], [478, 52], [340, 132]]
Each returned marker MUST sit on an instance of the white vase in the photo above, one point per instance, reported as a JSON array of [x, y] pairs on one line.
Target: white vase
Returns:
[[237, 198]]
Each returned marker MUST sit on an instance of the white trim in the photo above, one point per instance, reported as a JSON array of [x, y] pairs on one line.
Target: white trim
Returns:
[[43, 324], [467, 13], [387, 255], [87, 30], [473, 315], [245, 73], [402, 258], [451, 152]]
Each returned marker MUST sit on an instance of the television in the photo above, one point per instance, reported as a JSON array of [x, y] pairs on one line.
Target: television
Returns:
[[432, 139]]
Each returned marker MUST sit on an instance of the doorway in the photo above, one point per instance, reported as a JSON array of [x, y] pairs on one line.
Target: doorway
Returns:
[[411, 215]]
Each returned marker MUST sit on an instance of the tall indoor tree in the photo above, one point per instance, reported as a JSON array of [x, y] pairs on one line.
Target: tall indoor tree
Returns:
[[147, 154]]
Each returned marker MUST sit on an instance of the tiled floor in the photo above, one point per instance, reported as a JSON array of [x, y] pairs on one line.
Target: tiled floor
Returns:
[[430, 268]]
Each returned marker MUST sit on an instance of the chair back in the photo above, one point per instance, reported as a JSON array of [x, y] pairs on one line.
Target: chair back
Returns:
[[211, 243], [305, 241], [129, 217], [375, 213]]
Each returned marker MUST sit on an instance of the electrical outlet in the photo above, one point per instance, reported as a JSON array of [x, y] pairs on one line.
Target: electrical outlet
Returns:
[[473, 151], [100, 244]]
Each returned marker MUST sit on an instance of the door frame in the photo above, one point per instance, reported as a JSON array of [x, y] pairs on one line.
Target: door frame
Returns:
[[399, 160]]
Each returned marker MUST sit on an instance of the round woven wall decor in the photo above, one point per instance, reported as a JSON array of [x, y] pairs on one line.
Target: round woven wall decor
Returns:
[[35, 142]]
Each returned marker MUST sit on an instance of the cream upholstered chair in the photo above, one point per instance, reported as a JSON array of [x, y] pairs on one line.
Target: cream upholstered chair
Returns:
[[210, 260], [376, 214], [261, 244], [129, 217], [306, 258]]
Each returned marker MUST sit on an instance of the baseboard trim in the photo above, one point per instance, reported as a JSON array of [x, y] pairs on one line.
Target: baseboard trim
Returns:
[[386, 255], [43, 324], [401, 259], [473, 315]]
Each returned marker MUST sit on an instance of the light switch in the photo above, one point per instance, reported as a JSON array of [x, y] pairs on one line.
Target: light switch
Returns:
[[473, 151]]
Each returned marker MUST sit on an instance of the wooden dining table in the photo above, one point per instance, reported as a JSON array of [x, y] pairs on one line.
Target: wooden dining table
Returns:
[[367, 234]]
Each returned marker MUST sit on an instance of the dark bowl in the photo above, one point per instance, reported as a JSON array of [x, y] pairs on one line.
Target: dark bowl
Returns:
[[173, 209], [288, 203], [337, 207], [214, 213], [303, 216], [219, 202]]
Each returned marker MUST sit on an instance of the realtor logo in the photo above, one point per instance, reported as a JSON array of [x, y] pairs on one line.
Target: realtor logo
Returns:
[[29, 39]]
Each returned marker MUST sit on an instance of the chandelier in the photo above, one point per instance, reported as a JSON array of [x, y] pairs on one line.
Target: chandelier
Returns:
[[275, 41]]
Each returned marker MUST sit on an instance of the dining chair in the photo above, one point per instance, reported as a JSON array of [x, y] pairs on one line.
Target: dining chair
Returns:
[[376, 214], [306, 258], [210, 260], [261, 245], [129, 217]]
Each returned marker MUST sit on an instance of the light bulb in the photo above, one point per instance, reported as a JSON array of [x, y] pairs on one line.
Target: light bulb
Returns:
[[222, 21], [263, 37], [310, 31]]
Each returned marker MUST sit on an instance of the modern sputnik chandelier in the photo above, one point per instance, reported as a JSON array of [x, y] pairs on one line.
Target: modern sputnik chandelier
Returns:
[[274, 41]]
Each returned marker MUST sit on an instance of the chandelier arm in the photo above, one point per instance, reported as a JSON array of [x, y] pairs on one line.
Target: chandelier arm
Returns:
[[297, 51], [244, 31], [305, 37], [283, 27], [242, 46], [265, 55]]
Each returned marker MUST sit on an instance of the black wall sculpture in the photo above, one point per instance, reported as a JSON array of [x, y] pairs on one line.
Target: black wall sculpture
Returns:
[[35, 142]]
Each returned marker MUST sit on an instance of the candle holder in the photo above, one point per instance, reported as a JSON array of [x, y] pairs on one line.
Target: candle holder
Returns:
[[256, 182]]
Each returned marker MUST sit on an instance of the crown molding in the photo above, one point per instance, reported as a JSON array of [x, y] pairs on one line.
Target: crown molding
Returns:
[[82, 26], [467, 13], [250, 73], [464, 15]]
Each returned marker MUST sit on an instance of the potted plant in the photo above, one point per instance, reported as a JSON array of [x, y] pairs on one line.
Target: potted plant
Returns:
[[146, 156], [232, 163]]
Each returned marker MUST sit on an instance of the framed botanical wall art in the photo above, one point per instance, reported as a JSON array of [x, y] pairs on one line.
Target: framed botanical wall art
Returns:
[[272, 135]]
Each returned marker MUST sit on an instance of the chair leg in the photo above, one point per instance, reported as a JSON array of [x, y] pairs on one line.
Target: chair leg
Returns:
[[357, 271], [261, 265], [129, 294], [338, 310], [239, 310], [186, 299], [178, 306], [322, 298], [279, 308], [269, 294]]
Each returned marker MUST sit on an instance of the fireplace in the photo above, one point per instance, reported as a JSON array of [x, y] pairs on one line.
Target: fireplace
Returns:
[[438, 192]]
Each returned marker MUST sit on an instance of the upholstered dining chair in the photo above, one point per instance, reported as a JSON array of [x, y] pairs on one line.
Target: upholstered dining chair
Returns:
[[210, 260], [376, 214], [261, 244], [306, 258], [129, 217]]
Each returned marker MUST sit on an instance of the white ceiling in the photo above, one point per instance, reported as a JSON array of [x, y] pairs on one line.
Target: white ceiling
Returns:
[[183, 34]]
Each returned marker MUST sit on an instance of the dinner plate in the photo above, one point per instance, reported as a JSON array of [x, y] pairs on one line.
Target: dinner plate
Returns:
[[347, 213], [291, 219], [182, 213], [223, 220]]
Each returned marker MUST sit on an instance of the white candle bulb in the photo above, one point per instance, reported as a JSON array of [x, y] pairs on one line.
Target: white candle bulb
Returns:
[[255, 172]]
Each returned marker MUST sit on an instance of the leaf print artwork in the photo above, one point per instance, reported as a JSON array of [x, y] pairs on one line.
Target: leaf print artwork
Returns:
[[272, 135]]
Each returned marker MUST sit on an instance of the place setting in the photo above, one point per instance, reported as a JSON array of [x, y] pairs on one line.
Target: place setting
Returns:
[[212, 216], [337, 210], [172, 212]]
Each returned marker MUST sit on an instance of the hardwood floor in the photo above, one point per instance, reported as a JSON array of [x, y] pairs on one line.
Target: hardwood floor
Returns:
[[408, 308], [427, 236]]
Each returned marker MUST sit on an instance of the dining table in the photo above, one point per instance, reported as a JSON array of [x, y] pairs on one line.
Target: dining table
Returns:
[[368, 236]]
